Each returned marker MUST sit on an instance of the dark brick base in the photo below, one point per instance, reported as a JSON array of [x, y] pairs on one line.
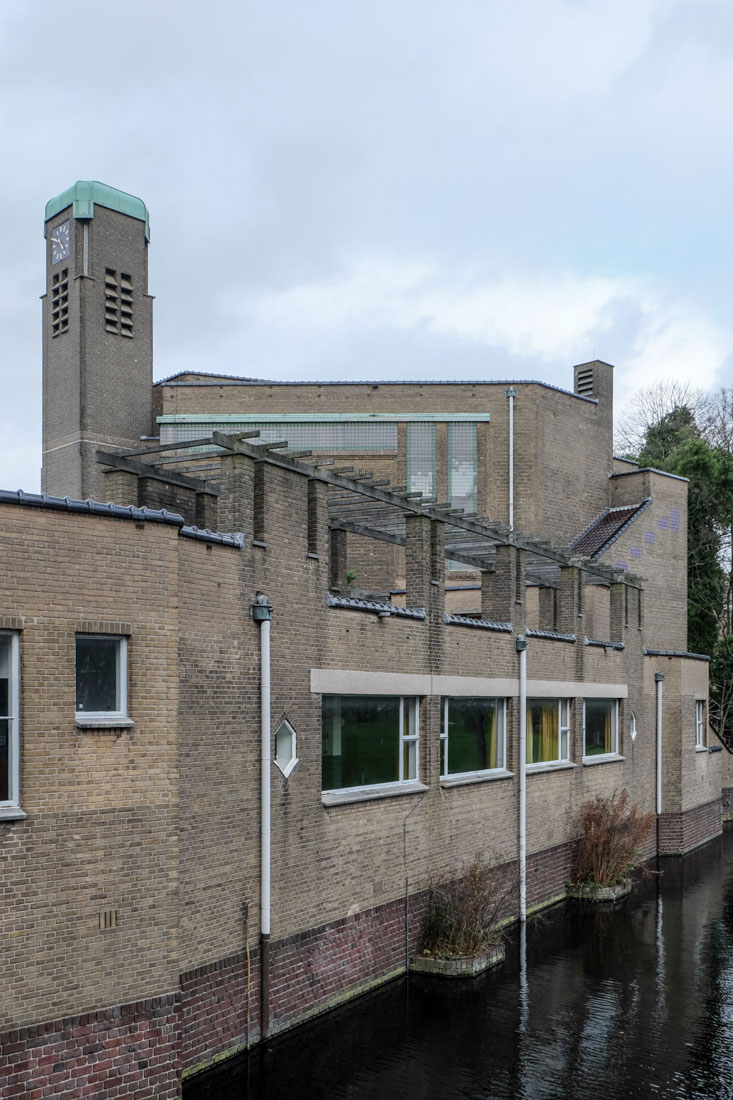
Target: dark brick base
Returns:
[[220, 1013], [129, 1051], [681, 832], [547, 873]]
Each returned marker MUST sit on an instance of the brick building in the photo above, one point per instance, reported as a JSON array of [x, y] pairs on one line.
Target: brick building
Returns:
[[170, 895]]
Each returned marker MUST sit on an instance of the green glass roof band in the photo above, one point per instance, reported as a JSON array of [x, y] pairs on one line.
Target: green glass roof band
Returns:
[[85, 193], [318, 418]]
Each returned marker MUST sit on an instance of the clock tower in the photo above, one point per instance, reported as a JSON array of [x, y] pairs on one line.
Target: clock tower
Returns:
[[97, 335]]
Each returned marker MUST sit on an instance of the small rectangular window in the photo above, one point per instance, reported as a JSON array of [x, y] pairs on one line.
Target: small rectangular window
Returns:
[[101, 677], [548, 731], [9, 725], [700, 739], [369, 741], [472, 739], [600, 727]]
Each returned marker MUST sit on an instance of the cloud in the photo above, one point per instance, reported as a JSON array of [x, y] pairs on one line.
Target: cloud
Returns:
[[553, 320]]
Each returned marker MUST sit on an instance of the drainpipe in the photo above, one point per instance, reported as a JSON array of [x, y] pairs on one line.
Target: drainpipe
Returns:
[[521, 647], [261, 612], [658, 680], [511, 393]]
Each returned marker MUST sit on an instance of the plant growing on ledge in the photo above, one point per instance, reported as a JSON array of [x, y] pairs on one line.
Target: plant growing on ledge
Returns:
[[611, 846], [461, 923]]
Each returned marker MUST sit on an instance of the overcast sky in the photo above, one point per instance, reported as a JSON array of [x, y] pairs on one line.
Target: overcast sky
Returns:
[[390, 189]]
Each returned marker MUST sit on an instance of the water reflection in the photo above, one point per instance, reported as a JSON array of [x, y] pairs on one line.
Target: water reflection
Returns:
[[632, 1002]]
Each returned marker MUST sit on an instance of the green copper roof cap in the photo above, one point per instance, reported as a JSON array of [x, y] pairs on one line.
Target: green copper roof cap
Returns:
[[85, 193]]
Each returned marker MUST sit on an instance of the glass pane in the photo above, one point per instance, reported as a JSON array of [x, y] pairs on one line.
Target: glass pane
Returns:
[[4, 760], [542, 730], [361, 741], [340, 436], [473, 735], [598, 727], [96, 674], [409, 760], [284, 751], [421, 458], [5, 702], [462, 457]]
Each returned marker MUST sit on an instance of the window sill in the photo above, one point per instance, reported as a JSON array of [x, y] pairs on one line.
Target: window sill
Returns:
[[550, 766], [97, 722], [475, 777], [368, 794], [12, 813], [606, 758], [701, 748]]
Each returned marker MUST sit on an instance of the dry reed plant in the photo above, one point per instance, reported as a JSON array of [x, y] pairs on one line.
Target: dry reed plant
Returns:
[[462, 915], [612, 840]]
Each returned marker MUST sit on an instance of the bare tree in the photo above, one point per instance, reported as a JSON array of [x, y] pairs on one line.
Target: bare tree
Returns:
[[716, 418], [647, 407]]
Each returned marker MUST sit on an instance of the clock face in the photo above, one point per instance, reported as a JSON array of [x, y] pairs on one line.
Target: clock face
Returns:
[[60, 242]]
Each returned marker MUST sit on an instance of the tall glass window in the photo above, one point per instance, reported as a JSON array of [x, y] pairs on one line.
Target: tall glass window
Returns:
[[421, 459], [472, 739], [462, 466], [9, 741], [548, 731], [369, 740], [600, 724]]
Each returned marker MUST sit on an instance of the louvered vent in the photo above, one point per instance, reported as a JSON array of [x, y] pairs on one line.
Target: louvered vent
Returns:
[[584, 382], [60, 302], [118, 303]]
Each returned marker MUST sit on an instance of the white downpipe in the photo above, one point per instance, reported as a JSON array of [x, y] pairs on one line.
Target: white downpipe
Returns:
[[261, 612], [511, 393], [265, 777], [521, 644], [659, 679]]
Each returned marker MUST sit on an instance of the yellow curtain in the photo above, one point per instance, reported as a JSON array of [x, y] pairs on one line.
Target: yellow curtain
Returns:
[[530, 736], [548, 733], [491, 734]]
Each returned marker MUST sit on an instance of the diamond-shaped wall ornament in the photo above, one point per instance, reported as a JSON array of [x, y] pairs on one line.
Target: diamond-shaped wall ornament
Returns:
[[285, 749]]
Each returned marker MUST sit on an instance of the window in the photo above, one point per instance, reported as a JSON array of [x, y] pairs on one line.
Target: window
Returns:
[[462, 470], [548, 731], [600, 727], [9, 726], [101, 679], [421, 458], [285, 755], [472, 739], [700, 724], [369, 740], [632, 726]]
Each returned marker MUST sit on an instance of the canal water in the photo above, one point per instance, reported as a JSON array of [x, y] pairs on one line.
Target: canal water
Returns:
[[633, 1001]]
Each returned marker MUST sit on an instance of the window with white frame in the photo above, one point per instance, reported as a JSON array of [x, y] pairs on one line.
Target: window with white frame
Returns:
[[9, 725], [548, 731], [472, 738], [101, 678], [369, 740], [285, 747], [700, 724], [600, 727]]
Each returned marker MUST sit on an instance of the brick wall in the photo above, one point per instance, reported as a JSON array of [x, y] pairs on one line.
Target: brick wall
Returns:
[[681, 832], [130, 1050]]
